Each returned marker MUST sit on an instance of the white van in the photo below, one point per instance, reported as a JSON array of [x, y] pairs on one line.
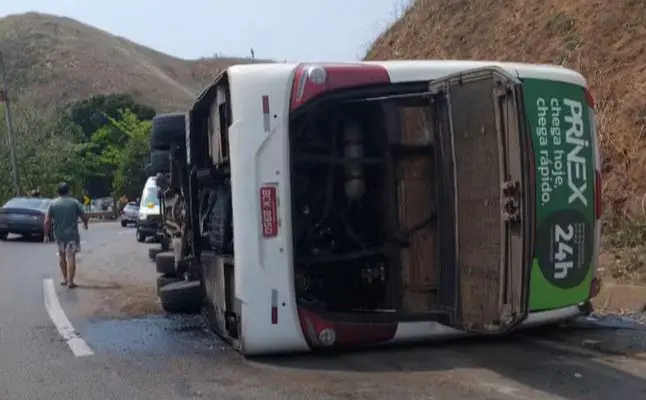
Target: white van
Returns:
[[149, 218], [344, 205]]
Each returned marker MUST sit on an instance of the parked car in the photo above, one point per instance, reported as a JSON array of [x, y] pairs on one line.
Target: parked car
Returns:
[[129, 214], [24, 216]]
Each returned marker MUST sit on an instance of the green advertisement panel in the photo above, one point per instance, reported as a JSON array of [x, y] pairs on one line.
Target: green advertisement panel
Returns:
[[559, 121]]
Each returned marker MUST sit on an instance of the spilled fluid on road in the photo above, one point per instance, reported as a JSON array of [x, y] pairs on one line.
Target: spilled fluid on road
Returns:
[[182, 335], [154, 334]]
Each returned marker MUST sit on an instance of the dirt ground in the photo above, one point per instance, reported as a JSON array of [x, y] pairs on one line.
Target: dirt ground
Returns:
[[620, 293], [120, 277], [620, 298]]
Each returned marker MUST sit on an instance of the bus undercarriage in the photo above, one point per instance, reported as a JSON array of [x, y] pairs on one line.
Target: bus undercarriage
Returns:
[[376, 208], [356, 250]]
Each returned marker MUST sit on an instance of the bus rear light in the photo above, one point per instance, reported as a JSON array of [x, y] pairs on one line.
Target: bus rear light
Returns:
[[274, 306], [316, 74], [598, 208], [598, 205], [320, 332], [327, 337], [589, 98], [311, 80], [274, 315]]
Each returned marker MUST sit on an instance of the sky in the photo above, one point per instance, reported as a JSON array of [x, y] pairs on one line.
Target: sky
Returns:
[[293, 30]]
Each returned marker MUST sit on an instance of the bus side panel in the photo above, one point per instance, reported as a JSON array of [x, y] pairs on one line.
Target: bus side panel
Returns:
[[264, 274]]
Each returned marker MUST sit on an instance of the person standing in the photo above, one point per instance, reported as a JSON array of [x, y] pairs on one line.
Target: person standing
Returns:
[[62, 217]]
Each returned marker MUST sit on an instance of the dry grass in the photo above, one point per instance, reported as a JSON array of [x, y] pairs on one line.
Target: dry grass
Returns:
[[604, 40], [56, 60]]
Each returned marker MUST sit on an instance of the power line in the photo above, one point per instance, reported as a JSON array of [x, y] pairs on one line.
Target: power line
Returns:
[[4, 98]]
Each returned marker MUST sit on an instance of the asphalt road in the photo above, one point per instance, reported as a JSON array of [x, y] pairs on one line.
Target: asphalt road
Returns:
[[137, 353]]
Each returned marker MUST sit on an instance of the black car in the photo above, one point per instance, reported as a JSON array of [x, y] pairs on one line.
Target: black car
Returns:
[[24, 216]]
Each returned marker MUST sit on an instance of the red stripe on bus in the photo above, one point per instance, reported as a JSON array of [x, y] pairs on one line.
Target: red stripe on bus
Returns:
[[265, 104]]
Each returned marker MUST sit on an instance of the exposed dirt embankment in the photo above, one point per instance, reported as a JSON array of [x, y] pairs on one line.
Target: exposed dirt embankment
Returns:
[[604, 40]]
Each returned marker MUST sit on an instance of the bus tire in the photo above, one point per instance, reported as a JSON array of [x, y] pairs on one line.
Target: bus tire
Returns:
[[168, 129], [165, 263], [165, 242], [159, 161], [181, 297], [163, 280], [153, 251]]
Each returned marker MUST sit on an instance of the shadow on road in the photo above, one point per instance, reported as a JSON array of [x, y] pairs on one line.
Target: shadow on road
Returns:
[[99, 286], [629, 341], [555, 372], [22, 239]]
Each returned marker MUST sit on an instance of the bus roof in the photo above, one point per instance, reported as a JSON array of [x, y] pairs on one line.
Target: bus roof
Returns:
[[398, 71], [421, 70]]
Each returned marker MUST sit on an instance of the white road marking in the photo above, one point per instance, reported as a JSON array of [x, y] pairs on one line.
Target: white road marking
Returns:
[[121, 233], [62, 323]]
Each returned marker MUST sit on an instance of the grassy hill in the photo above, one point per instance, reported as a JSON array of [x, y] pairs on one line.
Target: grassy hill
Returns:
[[53, 59], [604, 40]]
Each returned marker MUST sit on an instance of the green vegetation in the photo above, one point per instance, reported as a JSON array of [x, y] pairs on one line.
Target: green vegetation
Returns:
[[53, 61], [118, 152], [99, 144]]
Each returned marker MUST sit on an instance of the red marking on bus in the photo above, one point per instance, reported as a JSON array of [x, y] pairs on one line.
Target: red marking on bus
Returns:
[[265, 104]]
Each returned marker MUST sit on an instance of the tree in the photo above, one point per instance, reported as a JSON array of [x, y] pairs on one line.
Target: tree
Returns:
[[51, 147], [119, 152], [93, 113], [45, 148]]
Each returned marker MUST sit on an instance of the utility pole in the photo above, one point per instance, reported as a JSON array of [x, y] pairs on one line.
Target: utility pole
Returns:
[[4, 98]]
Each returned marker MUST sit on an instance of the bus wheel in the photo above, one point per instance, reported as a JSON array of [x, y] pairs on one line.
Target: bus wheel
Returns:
[[181, 297], [232, 326], [153, 251], [163, 280], [165, 243], [165, 263]]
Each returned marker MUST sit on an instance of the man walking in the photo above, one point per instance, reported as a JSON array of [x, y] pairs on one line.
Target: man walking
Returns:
[[62, 216]]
